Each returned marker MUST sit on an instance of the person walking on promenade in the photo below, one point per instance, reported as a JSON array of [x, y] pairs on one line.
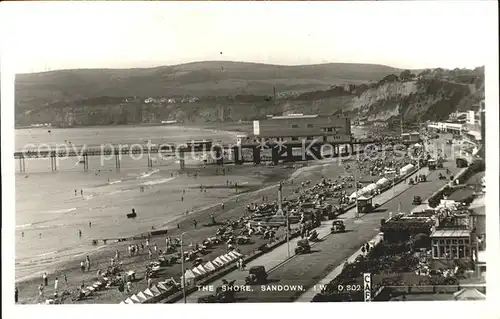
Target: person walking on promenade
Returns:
[[40, 291], [87, 263], [129, 287], [150, 283], [80, 233]]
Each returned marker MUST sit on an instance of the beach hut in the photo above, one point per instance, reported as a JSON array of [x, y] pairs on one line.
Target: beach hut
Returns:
[[469, 294], [122, 303], [135, 299], [196, 272], [189, 276], [382, 182], [142, 297], [225, 259], [209, 266], [353, 195], [234, 254], [155, 291], [218, 261], [160, 286], [129, 301], [201, 269], [148, 293], [369, 188], [406, 169]]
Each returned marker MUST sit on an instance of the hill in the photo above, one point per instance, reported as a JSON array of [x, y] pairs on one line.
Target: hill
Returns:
[[211, 78], [232, 91]]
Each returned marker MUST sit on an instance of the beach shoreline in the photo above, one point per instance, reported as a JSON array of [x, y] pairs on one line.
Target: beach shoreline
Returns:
[[235, 206]]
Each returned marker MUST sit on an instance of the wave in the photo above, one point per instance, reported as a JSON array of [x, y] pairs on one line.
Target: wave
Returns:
[[144, 175], [158, 181], [23, 226], [117, 192], [115, 182], [62, 211]]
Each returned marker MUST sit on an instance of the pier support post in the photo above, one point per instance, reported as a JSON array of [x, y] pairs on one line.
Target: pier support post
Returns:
[[53, 162], [256, 155], [150, 161], [289, 153], [219, 155], [22, 164], [238, 158], [85, 162], [117, 161], [182, 161], [275, 155]]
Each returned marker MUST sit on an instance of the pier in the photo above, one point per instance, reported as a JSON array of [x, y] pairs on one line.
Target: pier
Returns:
[[281, 151]]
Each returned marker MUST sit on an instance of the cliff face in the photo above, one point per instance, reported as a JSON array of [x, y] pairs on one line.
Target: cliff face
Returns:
[[432, 95]]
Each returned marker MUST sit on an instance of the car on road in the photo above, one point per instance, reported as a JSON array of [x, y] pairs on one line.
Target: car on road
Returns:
[[303, 247], [256, 275], [417, 200], [337, 226]]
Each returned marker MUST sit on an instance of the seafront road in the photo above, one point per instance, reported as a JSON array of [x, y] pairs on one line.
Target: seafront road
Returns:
[[306, 270]]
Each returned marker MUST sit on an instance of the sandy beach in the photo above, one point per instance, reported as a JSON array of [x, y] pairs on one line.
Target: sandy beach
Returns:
[[235, 204]]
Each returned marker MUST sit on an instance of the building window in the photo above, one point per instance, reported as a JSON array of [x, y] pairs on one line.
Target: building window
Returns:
[[460, 241], [441, 252], [448, 242], [310, 125], [310, 138], [454, 242], [466, 241], [461, 252], [295, 138], [435, 251], [295, 126]]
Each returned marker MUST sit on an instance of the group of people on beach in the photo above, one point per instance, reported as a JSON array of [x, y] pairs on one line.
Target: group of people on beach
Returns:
[[85, 264]]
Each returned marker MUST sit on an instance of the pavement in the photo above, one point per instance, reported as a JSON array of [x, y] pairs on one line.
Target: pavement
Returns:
[[278, 256], [300, 275]]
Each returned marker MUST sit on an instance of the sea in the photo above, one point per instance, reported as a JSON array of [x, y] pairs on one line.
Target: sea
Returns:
[[53, 206]]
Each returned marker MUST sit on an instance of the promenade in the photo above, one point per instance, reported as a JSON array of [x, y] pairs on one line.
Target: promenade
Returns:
[[304, 271]]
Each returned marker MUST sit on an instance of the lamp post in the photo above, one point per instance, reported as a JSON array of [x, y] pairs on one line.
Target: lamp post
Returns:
[[182, 269], [280, 213], [356, 194]]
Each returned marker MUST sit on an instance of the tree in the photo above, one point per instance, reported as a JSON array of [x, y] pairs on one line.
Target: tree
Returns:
[[389, 78], [405, 75]]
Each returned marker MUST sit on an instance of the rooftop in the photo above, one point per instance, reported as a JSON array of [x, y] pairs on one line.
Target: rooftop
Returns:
[[294, 116], [451, 233]]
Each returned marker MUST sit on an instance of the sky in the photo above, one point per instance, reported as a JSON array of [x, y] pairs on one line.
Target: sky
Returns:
[[39, 36]]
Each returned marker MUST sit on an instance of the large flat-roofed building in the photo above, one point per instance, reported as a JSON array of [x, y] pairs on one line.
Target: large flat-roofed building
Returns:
[[448, 127], [411, 137], [335, 129]]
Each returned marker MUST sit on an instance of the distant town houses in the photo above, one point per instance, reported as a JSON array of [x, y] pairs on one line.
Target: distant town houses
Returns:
[[166, 100]]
